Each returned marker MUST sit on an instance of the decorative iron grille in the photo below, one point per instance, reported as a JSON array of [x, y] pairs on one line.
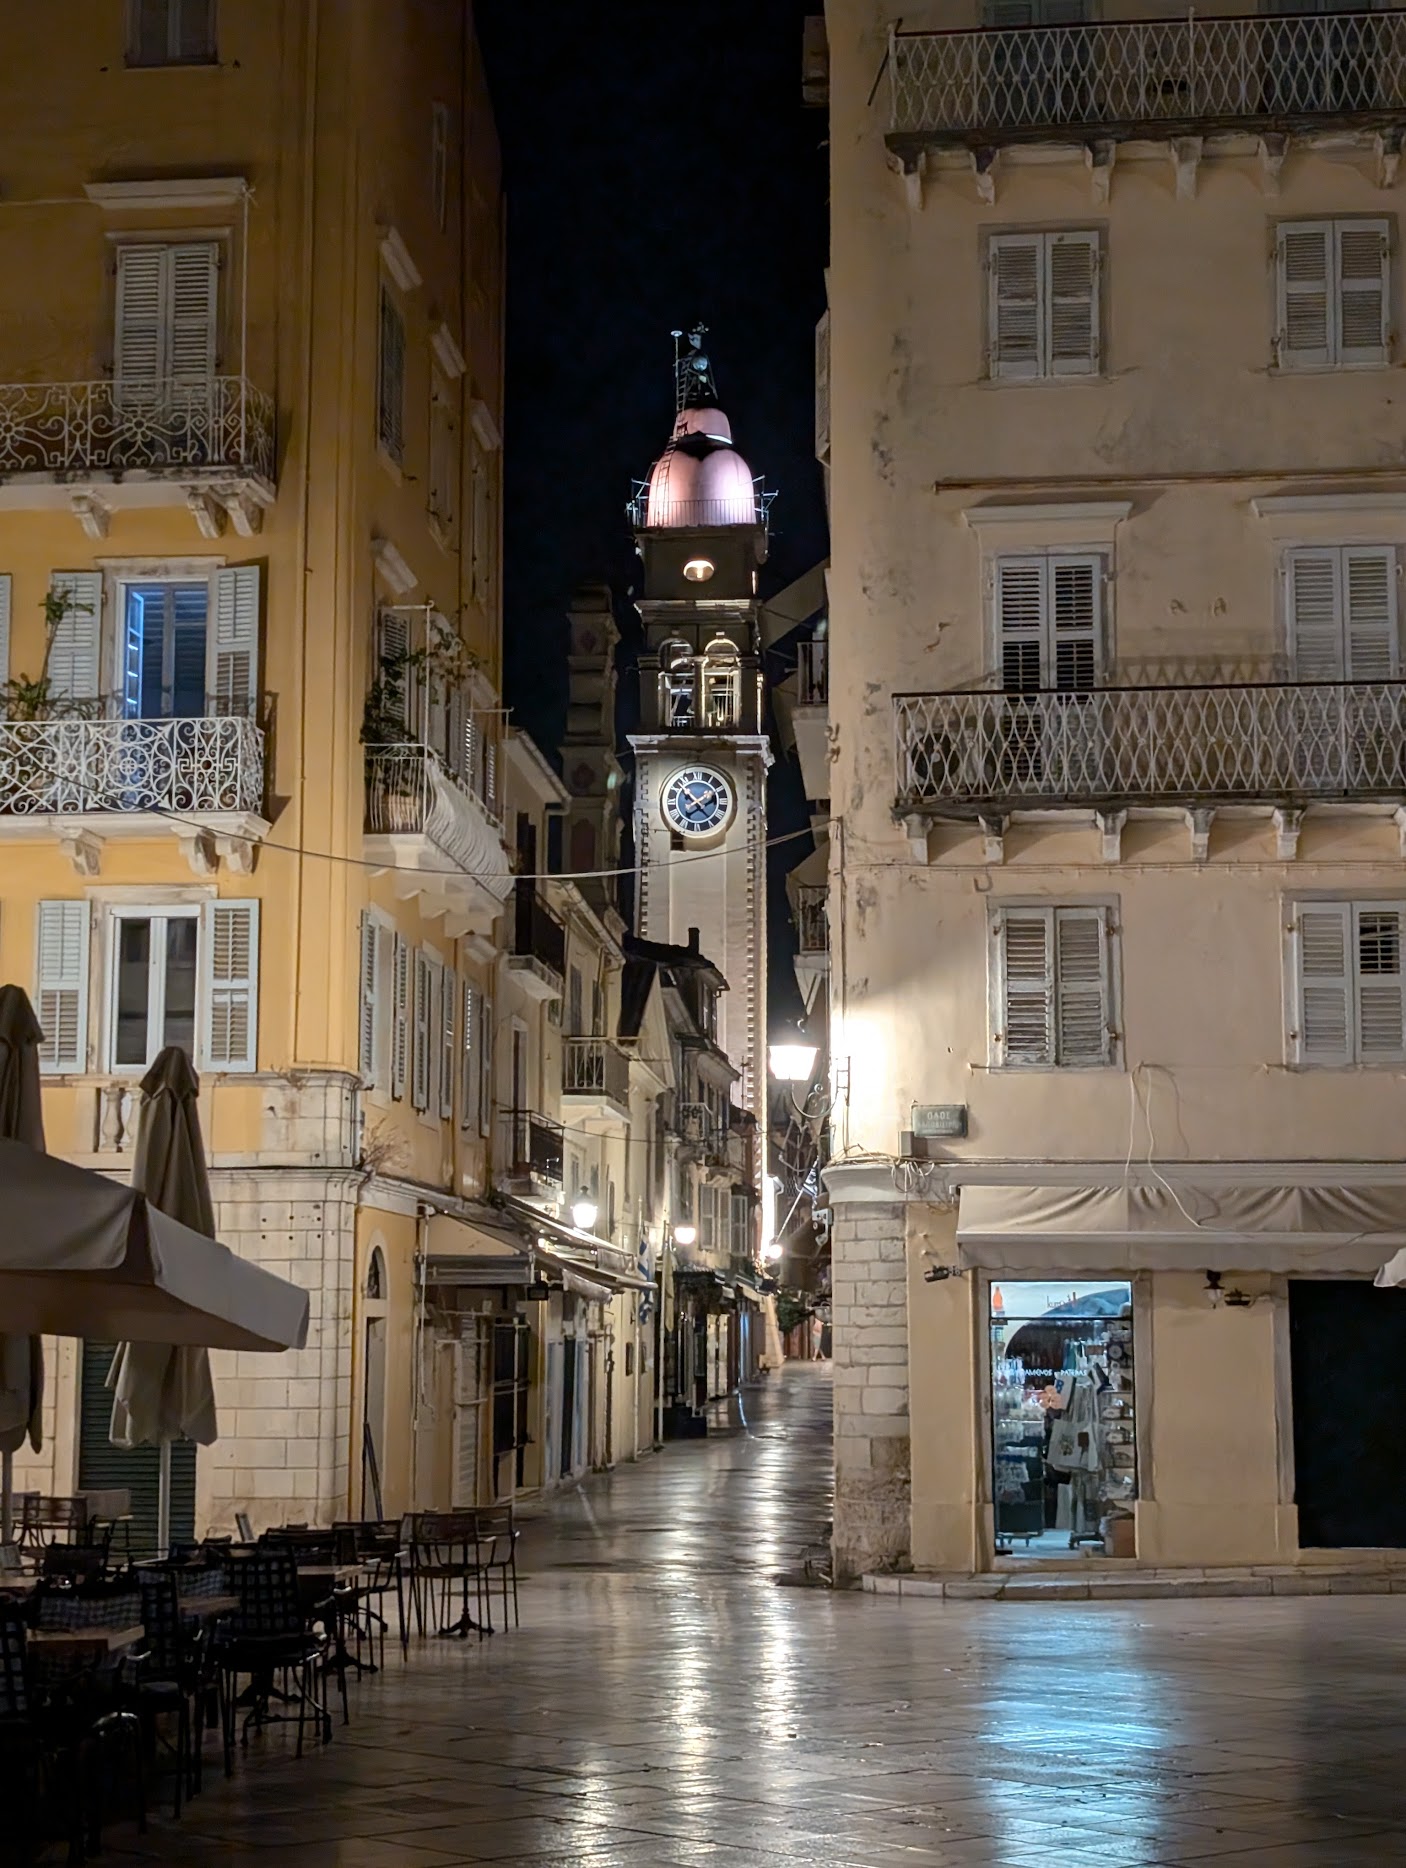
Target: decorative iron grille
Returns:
[[411, 792], [1267, 743], [596, 1067], [184, 765], [223, 422], [535, 1147], [1123, 76]]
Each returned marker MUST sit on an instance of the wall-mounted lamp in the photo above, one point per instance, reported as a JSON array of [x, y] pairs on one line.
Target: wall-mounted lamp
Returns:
[[685, 1235], [1232, 1299], [583, 1214]]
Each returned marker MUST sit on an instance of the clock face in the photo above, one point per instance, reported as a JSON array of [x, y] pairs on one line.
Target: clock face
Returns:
[[697, 801]]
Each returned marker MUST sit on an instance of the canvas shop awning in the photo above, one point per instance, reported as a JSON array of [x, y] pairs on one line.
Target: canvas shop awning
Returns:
[[1029, 1230], [596, 1258], [488, 1252]]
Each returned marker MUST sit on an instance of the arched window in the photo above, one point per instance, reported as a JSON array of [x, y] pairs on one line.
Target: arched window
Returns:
[[721, 684], [677, 678], [376, 1273]]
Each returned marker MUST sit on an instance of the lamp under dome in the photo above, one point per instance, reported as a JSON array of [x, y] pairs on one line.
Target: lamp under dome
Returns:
[[792, 1061], [583, 1214]]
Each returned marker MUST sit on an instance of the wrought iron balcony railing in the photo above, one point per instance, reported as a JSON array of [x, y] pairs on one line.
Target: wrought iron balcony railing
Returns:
[[813, 673], [208, 764], [534, 1147], [220, 424], [596, 1067], [411, 792], [538, 933], [1273, 743], [812, 921], [1125, 78]]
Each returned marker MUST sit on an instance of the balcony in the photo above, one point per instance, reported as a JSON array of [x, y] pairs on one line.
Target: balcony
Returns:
[[438, 837], [85, 781], [100, 446], [537, 959], [813, 673], [1147, 78], [596, 1078], [533, 1153], [812, 921], [1281, 745], [810, 717]]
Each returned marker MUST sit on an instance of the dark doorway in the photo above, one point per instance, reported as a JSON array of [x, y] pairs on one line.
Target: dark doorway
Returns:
[[568, 1404], [103, 1466], [1347, 1350]]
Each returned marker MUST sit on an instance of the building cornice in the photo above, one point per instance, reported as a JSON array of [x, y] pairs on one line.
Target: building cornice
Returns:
[[885, 1179]]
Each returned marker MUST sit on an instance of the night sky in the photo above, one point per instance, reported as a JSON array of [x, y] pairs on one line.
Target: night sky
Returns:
[[660, 170]]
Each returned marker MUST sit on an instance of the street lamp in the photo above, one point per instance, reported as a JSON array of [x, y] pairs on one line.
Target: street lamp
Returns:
[[583, 1213], [793, 1060], [685, 1235]]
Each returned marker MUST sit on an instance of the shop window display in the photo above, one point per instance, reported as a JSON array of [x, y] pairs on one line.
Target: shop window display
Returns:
[[1064, 1455]]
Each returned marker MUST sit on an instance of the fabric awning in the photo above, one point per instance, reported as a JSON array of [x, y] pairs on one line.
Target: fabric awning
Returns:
[[1028, 1230], [595, 1258], [483, 1253]]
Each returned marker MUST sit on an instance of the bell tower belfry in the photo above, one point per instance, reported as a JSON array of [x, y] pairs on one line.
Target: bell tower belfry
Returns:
[[701, 755]]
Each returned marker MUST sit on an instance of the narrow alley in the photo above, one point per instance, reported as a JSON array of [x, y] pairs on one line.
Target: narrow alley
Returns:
[[666, 1705]]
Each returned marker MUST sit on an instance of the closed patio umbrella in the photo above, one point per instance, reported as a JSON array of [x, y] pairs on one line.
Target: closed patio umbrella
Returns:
[[163, 1391], [21, 1357]]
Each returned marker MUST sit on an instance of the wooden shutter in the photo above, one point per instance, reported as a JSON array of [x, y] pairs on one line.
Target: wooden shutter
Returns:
[[1304, 278], [485, 1053], [468, 1087], [1083, 1008], [1315, 611], [138, 358], [1325, 1020], [443, 455], [1016, 265], [446, 1041], [4, 626], [230, 961], [234, 640], [370, 1008], [400, 1014], [1369, 601], [74, 654], [1075, 593], [420, 1049], [61, 984], [192, 273], [1020, 621], [1361, 254], [1072, 344], [1026, 1010], [195, 29], [1381, 1009], [390, 386], [393, 645], [470, 1366]]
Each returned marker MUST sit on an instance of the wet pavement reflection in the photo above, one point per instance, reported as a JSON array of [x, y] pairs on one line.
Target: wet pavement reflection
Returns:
[[666, 1705]]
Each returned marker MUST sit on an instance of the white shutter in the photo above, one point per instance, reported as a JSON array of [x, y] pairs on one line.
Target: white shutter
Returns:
[[4, 626], [370, 1005], [193, 274], [1075, 593], [400, 1014], [74, 651], [1361, 252], [1381, 1010], [468, 1087], [1304, 280], [1020, 621], [1016, 326], [393, 646], [1316, 614], [490, 774], [233, 661], [61, 984], [469, 1386], [420, 1050], [1072, 284], [1083, 1002], [1027, 987], [447, 995], [1325, 1021], [138, 358], [230, 962], [485, 1053], [1369, 599]]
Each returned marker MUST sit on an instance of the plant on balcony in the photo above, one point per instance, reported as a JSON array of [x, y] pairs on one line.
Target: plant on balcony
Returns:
[[28, 699], [444, 663]]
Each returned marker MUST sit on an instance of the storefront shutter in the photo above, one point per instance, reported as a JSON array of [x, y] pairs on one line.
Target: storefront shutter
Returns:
[[1304, 280], [61, 984], [230, 958], [74, 654], [1325, 1021], [234, 639], [1072, 344], [1027, 987], [1381, 1013], [103, 1467], [1015, 325], [1362, 255], [1082, 999]]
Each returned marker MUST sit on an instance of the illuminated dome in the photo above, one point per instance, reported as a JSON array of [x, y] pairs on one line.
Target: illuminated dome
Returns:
[[700, 478]]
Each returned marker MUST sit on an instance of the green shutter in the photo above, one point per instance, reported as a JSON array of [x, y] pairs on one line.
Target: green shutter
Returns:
[[104, 1467]]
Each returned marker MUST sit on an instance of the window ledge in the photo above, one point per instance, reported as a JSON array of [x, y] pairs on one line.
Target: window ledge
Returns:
[[197, 192], [390, 463], [1103, 513]]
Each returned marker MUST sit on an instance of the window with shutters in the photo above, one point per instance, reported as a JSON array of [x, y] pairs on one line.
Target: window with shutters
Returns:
[[1347, 993], [1333, 293], [1048, 620], [1042, 316], [166, 331], [390, 378], [1341, 609], [188, 647], [186, 974], [1054, 987], [171, 32]]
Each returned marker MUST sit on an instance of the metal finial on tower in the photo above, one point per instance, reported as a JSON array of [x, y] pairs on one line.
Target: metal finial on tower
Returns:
[[694, 387]]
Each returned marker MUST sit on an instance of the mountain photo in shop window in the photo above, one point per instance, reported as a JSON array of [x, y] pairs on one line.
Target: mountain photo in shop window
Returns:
[[1064, 1451]]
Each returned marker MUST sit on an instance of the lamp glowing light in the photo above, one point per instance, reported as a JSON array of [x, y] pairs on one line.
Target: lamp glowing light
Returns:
[[698, 570], [770, 1253], [583, 1215], [685, 1235], [793, 1063]]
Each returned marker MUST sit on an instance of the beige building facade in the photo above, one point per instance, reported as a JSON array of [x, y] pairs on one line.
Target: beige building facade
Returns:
[[1119, 767]]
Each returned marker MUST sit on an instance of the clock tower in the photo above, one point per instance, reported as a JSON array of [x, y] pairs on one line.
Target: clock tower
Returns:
[[701, 754]]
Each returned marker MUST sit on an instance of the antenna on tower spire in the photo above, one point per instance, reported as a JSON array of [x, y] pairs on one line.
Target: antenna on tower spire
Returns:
[[694, 387]]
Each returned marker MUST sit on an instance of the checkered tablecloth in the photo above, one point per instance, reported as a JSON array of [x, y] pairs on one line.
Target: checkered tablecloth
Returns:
[[67, 1610]]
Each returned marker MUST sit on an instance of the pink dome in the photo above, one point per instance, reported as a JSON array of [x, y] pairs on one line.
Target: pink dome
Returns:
[[700, 478], [711, 423]]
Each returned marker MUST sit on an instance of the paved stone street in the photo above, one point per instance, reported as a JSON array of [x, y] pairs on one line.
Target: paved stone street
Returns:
[[665, 1703]]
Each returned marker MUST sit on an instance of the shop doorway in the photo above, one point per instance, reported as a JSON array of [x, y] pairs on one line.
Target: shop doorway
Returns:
[[1347, 1340], [1063, 1428]]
